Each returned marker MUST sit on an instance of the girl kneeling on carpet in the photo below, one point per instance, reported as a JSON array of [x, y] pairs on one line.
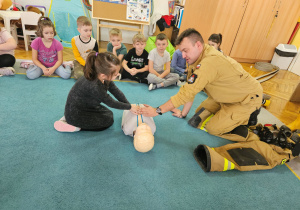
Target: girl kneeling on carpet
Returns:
[[47, 53], [83, 109]]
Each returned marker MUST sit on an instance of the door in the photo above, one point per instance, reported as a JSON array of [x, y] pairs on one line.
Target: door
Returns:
[[283, 22], [214, 16], [253, 28]]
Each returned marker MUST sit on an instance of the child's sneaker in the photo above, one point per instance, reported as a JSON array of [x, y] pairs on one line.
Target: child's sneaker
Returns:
[[181, 78], [152, 86], [7, 71], [25, 64], [68, 63], [178, 83], [63, 126]]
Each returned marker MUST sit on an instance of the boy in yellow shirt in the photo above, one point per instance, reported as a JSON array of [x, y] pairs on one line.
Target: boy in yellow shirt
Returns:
[[82, 45]]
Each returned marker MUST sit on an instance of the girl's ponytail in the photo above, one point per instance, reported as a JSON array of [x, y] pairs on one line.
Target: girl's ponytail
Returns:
[[220, 35], [89, 69], [100, 63]]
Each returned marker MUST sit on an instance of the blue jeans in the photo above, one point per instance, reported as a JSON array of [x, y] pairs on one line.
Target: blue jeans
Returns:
[[180, 73], [34, 72]]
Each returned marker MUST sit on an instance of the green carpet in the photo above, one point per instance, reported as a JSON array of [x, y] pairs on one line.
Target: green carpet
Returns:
[[44, 169]]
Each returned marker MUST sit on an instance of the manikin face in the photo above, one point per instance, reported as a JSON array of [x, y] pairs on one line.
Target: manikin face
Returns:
[[115, 40], [143, 139], [85, 32], [213, 44], [190, 51], [48, 34], [161, 45], [139, 47]]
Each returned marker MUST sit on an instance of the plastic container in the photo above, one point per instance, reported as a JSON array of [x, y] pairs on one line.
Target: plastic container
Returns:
[[283, 55]]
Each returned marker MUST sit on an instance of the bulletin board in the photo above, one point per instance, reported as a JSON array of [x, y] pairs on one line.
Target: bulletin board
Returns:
[[113, 12]]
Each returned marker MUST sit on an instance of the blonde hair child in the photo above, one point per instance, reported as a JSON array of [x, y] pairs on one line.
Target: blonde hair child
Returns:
[[115, 44], [135, 62], [82, 45]]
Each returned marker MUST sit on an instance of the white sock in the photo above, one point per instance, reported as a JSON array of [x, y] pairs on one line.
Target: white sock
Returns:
[[63, 119]]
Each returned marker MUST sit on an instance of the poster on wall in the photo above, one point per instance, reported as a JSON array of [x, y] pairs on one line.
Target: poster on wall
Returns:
[[115, 1], [138, 10]]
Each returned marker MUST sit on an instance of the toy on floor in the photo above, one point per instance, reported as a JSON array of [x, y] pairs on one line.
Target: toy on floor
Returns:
[[141, 128], [295, 125], [266, 103], [266, 100], [5, 4]]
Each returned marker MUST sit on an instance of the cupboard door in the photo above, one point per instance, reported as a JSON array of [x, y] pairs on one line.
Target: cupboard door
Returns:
[[214, 16], [280, 28], [254, 26]]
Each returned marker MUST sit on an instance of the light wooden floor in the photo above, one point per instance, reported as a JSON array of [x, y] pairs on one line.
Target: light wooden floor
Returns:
[[279, 87]]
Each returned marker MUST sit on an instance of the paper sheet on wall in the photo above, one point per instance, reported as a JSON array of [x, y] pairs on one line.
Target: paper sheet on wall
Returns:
[[138, 10], [114, 1]]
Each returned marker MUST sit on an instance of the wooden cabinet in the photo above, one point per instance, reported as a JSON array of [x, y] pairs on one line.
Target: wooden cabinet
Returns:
[[281, 27], [250, 28], [214, 16]]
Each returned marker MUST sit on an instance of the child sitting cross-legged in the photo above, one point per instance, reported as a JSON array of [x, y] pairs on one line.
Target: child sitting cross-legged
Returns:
[[47, 53], [159, 65], [115, 44], [135, 63], [82, 45], [178, 65]]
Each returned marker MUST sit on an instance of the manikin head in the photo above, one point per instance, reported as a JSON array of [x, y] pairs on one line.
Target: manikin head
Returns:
[[143, 139]]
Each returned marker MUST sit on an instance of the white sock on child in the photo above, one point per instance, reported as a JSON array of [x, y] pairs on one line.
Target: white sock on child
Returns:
[[63, 119], [178, 83], [154, 86]]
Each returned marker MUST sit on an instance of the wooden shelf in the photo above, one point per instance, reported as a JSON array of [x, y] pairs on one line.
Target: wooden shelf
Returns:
[[176, 4]]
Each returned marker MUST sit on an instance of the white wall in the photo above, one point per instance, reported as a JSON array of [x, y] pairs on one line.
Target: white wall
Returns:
[[160, 6]]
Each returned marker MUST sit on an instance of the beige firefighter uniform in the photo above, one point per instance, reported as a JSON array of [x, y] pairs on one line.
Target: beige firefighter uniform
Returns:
[[243, 156], [233, 94], [276, 147]]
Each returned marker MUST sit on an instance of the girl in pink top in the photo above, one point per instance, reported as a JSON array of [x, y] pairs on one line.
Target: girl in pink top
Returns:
[[47, 54]]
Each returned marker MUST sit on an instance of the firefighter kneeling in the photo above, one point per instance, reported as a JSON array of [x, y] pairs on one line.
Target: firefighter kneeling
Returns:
[[276, 147]]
